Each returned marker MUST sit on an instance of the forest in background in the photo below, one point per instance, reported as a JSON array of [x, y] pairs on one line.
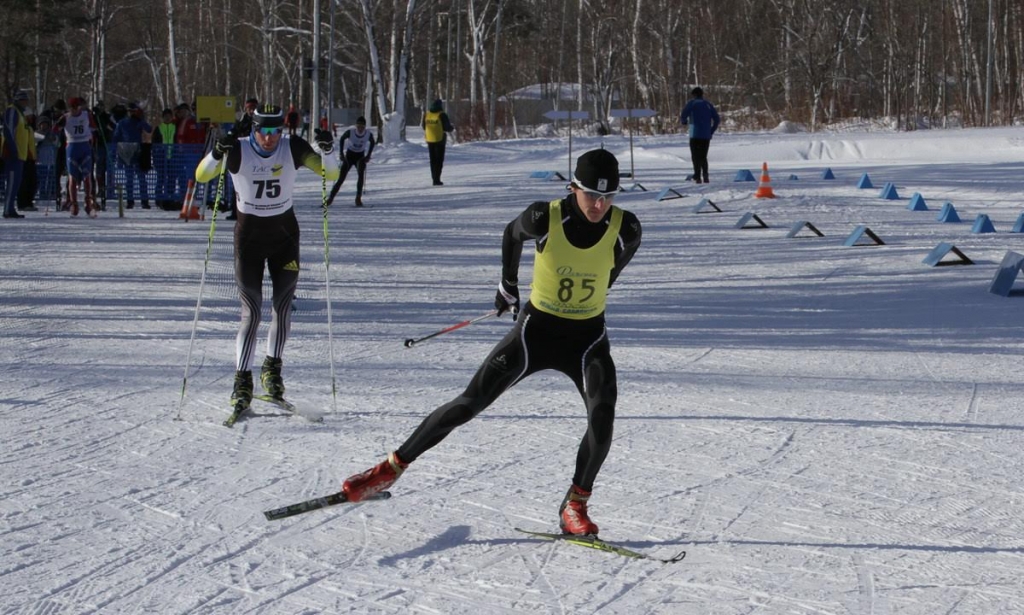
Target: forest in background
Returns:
[[915, 63]]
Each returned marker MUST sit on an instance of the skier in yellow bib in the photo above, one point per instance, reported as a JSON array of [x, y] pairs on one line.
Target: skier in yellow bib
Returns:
[[583, 242]]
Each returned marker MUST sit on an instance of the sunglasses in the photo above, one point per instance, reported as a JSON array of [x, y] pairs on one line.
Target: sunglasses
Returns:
[[270, 132], [607, 197]]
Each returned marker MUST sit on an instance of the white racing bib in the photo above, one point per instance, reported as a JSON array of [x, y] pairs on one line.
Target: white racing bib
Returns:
[[264, 185], [358, 143], [77, 128]]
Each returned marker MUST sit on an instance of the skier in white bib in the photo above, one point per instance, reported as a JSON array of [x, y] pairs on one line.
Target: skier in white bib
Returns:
[[263, 168], [356, 149]]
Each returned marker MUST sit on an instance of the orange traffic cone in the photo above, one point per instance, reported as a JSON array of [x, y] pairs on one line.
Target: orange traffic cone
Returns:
[[764, 187], [188, 209]]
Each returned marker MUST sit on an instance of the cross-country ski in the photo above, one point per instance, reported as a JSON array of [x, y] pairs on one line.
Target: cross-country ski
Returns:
[[593, 542], [316, 504]]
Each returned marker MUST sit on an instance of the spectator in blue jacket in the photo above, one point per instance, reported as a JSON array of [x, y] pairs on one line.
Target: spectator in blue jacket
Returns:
[[703, 121], [132, 137]]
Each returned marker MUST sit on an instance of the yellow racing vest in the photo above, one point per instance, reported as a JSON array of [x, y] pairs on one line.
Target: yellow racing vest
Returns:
[[572, 282], [433, 131], [24, 137]]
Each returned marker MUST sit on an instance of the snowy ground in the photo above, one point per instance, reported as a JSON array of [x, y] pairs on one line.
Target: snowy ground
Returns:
[[824, 429]]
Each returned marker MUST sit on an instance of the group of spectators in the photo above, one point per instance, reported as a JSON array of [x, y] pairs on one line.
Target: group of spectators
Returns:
[[69, 146], [37, 163]]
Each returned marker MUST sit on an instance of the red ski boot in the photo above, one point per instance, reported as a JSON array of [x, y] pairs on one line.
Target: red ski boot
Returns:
[[376, 479], [572, 515]]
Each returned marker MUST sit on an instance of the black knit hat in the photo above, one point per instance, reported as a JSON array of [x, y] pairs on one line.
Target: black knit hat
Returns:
[[597, 171], [361, 121]]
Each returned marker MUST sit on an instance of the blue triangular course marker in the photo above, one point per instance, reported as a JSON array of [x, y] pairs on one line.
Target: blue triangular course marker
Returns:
[[792, 178], [750, 217], [889, 192], [865, 182], [917, 203], [1018, 226], [670, 193], [550, 175], [632, 188], [705, 206], [982, 224], [1002, 283], [948, 213], [859, 232], [934, 257], [799, 226], [744, 176], [827, 174]]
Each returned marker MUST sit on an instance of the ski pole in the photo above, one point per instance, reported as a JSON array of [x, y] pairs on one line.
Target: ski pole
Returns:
[[202, 282], [409, 343], [327, 280]]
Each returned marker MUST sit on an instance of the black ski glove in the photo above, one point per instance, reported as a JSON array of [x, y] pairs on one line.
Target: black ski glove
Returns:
[[507, 299], [224, 145], [324, 140]]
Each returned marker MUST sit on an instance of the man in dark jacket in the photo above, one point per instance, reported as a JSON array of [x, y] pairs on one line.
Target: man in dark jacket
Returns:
[[130, 135], [703, 122], [243, 128]]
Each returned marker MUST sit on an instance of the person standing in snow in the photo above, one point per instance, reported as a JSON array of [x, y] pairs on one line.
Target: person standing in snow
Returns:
[[436, 127], [263, 169], [243, 128], [292, 120], [167, 177], [583, 243], [356, 149], [30, 173], [18, 138], [703, 121], [104, 135], [130, 135]]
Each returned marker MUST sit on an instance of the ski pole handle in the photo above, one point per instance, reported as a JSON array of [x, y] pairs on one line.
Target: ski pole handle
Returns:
[[409, 343]]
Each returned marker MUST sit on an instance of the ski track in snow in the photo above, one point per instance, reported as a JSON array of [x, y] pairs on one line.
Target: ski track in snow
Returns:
[[824, 430]]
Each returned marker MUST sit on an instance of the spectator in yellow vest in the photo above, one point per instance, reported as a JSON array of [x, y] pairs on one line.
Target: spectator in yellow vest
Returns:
[[436, 127], [163, 154], [29, 179], [18, 138]]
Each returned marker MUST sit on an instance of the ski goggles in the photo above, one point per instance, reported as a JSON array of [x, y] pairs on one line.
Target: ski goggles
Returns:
[[270, 131]]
